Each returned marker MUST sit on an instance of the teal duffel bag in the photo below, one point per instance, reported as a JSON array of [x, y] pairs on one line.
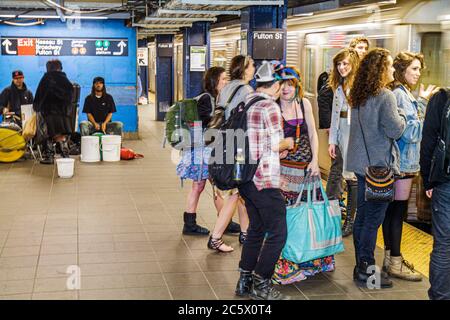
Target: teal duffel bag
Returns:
[[314, 227]]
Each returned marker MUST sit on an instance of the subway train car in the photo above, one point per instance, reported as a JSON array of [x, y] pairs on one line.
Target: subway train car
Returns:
[[313, 40], [407, 25]]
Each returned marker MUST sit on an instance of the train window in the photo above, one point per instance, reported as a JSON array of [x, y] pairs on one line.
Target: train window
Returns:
[[219, 58], [328, 54], [431, 49], [309, 70]]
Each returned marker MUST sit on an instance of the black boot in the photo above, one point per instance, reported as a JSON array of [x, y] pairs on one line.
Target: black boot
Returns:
[[352, 196], [191, 227], [64, 148], [244, 285], [233, 227], [361, 275], [242, 237], [262, 289], [48, 153]]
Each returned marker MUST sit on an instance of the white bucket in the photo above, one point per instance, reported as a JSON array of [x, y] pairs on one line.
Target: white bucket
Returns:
[[111, 147], [90, 149], [65, 167]]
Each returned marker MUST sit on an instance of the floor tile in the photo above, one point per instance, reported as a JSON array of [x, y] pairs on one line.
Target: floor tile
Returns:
[[192, 293]]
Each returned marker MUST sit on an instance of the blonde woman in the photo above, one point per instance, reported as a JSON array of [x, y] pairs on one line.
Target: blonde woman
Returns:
[[345, 65]]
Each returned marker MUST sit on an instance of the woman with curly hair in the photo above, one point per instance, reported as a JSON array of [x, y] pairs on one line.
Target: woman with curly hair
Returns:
[[407, 73], [375, 124], [345, 65]]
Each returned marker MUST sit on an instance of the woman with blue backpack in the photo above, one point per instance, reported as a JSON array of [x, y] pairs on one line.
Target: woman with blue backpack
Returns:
[[193, 165]]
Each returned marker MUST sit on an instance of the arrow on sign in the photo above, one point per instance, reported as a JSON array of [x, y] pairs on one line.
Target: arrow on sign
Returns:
[[6, 44], [121, 45]]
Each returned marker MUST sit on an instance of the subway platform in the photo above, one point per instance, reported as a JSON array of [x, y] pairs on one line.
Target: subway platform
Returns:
[[118, 226]]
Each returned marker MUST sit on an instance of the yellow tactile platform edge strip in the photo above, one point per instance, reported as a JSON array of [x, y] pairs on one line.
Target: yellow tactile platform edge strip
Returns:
[[416, 247]]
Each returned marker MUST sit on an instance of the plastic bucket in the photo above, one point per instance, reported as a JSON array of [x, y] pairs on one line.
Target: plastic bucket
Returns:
[[65, 167], [111, 147], [90, 149]]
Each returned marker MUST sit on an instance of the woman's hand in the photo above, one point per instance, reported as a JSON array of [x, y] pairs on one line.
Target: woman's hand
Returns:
[[313, 167], [332, 151], [284, 154], [426, 94], [429, 193]]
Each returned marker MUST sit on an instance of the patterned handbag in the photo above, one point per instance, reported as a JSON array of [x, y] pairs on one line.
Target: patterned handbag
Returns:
[[379, 179], [293, 174]]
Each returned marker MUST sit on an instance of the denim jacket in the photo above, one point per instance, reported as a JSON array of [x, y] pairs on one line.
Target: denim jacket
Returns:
[[409, 142], [340, 103]]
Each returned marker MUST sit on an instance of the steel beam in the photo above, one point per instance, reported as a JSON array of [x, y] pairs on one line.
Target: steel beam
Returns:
[[235, 3], [210, 12], [169, 19], [165, 26]]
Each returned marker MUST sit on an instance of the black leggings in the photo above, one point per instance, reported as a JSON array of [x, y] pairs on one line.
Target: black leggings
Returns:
[[393, 226]]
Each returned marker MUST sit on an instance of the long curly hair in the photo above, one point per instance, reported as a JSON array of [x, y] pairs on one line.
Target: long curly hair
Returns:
[[401, 62], [371, 77], [336, 79]]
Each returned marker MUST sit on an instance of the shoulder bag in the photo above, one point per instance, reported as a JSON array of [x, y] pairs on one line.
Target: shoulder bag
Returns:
[[379, 179]]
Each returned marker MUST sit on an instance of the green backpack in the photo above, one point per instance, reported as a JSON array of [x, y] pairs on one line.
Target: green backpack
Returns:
[[179, 119]]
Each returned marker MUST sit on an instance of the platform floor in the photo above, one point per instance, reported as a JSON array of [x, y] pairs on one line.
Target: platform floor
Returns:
[[121, 224]]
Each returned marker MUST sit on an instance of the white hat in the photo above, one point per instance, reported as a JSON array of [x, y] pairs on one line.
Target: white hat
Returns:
[[265, 72]]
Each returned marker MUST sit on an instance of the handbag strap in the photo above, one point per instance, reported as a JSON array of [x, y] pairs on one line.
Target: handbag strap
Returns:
[[365, 144]]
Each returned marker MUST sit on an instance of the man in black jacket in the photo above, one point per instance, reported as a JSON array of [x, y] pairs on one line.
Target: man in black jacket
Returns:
[[99, 107], [15, 96], [439, 191]]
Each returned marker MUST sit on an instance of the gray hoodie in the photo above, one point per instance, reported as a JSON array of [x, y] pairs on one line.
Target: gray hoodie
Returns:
[[238, 97]]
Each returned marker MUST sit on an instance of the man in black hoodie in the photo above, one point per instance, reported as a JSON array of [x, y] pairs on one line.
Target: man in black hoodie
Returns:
[[438, 189], [15, 96], [53, 101]]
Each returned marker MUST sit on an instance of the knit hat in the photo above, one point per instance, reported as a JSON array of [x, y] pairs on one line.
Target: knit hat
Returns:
[[98, 79]]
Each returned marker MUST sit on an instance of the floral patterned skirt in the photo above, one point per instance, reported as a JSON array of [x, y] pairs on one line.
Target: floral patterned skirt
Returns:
[[287, 272], [194, 164]]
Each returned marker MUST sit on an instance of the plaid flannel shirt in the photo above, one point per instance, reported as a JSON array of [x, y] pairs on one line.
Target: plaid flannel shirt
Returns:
[[264, 129]]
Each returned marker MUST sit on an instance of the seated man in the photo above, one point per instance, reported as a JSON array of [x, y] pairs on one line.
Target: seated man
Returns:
[[99, 107], [14, 96]]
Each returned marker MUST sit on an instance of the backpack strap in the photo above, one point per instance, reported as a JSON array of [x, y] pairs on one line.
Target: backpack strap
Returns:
[[213, 101], [230, 98]]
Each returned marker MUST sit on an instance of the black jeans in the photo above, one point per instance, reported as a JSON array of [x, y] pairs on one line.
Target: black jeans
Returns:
[[267, 231], [368, 219], [440, 256], [334, 188]]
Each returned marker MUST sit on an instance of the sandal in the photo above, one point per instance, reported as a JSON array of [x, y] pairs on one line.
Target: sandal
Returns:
[[216, 244]]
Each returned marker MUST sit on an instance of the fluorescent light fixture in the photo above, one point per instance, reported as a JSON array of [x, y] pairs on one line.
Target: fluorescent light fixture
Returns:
[[307, 14], [388, 2], [219, 28], [32, 16], [445, 17]]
